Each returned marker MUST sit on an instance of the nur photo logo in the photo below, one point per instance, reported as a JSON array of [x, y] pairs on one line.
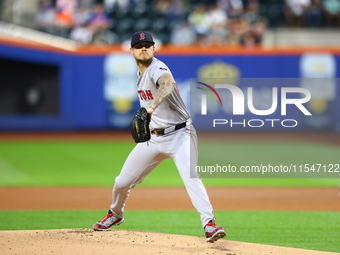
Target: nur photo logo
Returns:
[[204, 97], [281, 101]]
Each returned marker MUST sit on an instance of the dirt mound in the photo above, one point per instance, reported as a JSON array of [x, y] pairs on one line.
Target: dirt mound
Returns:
[[87, 241]]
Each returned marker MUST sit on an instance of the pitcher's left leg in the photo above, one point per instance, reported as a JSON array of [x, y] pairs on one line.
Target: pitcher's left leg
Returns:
[[185, 158]]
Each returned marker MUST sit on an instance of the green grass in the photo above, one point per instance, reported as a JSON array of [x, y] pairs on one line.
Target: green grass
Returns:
[[61, 164], [275, 154], [306, 230], [98, 163]]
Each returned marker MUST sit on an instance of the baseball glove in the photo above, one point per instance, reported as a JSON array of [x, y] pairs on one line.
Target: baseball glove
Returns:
[[139, 126]]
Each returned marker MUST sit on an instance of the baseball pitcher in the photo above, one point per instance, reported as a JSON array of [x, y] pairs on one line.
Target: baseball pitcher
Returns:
[[162, 129]]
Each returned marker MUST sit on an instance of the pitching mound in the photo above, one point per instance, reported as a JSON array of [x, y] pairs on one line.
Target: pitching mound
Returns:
[[87, 241]]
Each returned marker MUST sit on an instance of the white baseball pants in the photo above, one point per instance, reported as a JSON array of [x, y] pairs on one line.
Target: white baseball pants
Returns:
[[181, 146]]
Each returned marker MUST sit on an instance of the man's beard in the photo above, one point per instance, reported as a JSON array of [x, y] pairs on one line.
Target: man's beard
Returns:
[[145, 60]]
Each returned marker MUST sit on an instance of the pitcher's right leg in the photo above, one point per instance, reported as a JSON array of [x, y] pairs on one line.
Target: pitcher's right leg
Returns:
[[141, 161]]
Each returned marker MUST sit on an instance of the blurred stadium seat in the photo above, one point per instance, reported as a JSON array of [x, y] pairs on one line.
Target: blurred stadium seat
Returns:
[[140, 10], [273, 11], [125, 25], [160, 25], [142, 24]]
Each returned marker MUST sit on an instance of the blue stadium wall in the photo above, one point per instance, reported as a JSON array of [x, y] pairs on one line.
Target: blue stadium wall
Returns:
[[82, 77]]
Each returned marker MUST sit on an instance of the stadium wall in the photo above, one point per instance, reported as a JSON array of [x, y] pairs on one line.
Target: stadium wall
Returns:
[[96, 86]]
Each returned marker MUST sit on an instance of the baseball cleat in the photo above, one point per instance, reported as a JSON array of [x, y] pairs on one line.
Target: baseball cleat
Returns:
[[111, 219], [213, 233]]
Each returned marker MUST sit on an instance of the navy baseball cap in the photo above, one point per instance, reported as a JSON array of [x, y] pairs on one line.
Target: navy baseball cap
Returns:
[[141, 36]]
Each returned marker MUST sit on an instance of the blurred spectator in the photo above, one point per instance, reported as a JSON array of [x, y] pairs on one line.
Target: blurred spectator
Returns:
[[99, 24], [170, 9], [218, 30], [221, 22], [99, 20], [257, 25], [252, 35], [237, 27], [295, 10], [200, 21], [81, 32], [247, 39], [176, 10], [65, 10], [82, 15], [45, 19], [252, 11], [182, 34], [259, 29], [332, 12], [314, 14], [217, 15], [161, 7], [233, 8]]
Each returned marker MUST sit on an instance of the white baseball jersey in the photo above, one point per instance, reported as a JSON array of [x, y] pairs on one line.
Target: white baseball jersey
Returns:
[[180, 145], [162, 117]]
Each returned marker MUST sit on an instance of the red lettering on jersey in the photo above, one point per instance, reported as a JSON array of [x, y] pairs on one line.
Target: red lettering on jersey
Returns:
[[149, 94], [142, 94], [145, 94]]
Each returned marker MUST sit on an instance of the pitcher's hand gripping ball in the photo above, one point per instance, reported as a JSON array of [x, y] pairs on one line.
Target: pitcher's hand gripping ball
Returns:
[[139, 126]]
